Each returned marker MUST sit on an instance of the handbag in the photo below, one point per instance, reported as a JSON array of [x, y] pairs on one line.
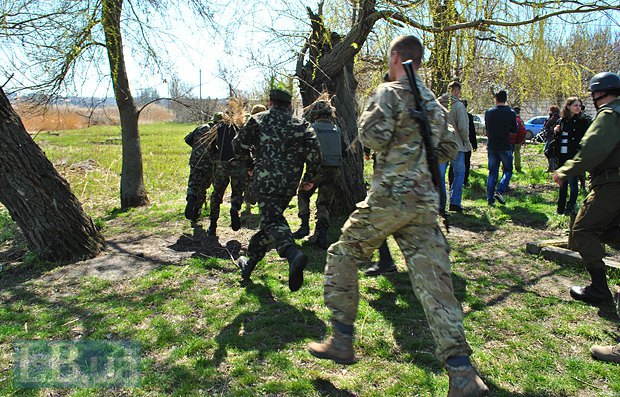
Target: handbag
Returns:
[[551, 149]]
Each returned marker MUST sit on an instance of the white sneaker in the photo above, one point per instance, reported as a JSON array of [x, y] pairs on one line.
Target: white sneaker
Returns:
[[498, 196]]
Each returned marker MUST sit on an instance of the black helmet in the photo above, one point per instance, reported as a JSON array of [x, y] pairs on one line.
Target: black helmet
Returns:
[[605, 82], [322, 108]]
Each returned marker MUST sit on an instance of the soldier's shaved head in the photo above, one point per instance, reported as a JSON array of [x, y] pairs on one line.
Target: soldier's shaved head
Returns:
[[408, 47]]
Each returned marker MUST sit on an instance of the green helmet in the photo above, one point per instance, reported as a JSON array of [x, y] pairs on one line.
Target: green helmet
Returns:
[[322, 109]]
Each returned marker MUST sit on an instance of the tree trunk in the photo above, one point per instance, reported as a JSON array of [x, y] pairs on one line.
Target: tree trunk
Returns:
[[133, 193], [329, 67], [38, 199]]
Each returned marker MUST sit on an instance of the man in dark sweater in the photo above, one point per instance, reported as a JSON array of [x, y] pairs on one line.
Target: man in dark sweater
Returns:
[[500, 122]]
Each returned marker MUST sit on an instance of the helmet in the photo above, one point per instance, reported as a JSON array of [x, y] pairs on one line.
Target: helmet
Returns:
[[280, 95], [605, 82], [322, 108], [217, 117], [258, 108]]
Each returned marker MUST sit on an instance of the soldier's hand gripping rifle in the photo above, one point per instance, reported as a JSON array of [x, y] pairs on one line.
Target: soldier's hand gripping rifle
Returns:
[[420, 115]]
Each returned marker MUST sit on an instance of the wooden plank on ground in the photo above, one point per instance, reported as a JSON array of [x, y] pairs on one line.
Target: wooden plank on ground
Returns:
[[535, 247], [564, 255]]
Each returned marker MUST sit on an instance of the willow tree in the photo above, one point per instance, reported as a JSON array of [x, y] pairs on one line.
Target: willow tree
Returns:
[[39, 199], [64, 39]]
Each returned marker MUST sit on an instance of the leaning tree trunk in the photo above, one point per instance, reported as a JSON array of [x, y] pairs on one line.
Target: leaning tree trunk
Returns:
[[133, 193], [326, 64], [38, 199]]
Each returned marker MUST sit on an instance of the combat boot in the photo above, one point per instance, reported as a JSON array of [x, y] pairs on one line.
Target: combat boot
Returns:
[[610, 354], [464, 382], [191, 212], [321, 238], [385, 263], [235, 221], [297, 262], [246, 265], [304, 229], [338, 348], [597, 292]]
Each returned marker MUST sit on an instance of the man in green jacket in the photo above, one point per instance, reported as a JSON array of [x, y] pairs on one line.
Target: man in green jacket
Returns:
[[598, 220]]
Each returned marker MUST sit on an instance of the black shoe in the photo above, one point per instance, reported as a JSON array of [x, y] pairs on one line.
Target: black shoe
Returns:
[[212, 229], [379, 268], [302, 232], [456, 208], [590, 294], [191, 212], [320, 239], [297, 262], [246, 265], [235, 221]]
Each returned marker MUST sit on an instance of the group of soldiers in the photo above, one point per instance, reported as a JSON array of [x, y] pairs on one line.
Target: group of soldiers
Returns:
[[274, 148]]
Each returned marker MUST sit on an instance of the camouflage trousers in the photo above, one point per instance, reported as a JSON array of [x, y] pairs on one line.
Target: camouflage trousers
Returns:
[[200, 179], [598, 221], [327, 185], [426, 253], [220, 183], [273, 228]]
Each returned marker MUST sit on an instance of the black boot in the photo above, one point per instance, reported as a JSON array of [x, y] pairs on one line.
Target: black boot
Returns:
[[246, 265], [235, 221], [597, 292], [212, 227], [297, 261], [191, 212], [304, 229], [321, 238], [385, 264]]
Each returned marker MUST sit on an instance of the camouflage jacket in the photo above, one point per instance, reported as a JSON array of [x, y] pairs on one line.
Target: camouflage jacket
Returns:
[[197, 139], [281, 144], [401, 175]]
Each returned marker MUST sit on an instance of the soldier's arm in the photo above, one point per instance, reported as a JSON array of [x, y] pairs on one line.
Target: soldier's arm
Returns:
[[377, 122], [462, 122], [313, 154], [598, 142], [243, 142]]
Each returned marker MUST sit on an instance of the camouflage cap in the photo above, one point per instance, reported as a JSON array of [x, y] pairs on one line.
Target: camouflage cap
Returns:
[[280, 95], [258, 108], [217, 117]]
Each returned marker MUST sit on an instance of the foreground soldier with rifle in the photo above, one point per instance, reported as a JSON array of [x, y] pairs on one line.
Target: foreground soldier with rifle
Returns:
[[403, 203]]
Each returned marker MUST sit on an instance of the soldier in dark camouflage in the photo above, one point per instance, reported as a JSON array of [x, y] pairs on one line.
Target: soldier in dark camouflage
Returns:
[[227, 170], [200, 170], [402, 202], [281, 144], [333, 148]]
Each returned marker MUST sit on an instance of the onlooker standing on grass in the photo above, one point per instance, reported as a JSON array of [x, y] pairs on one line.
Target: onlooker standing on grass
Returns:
[[500, 122], [568, 133], [548, 128], [473, 140], [517, 139], [598, 220], [457, 118]]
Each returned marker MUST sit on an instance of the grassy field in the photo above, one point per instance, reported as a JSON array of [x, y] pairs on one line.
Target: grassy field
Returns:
[[201, 333]]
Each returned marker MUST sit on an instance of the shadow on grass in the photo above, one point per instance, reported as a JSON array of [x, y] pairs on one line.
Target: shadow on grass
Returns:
[[327, 388], [204, 246], [283, 322], [525, 216]]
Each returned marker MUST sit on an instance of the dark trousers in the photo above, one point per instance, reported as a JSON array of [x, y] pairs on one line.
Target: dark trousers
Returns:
[[571, 182], [598, 221]]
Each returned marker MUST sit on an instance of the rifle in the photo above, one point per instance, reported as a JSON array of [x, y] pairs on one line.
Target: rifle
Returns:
[[421, 116]]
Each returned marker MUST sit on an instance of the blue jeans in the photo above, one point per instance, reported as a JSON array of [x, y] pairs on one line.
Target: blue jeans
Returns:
[[573, 182], [456, 188], [494, 159], [442, 185]]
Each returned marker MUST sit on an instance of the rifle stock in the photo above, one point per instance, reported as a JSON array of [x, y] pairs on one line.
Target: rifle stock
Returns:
[[421, 116]]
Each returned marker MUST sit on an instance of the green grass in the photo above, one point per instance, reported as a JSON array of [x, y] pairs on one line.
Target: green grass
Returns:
[[203, 334]]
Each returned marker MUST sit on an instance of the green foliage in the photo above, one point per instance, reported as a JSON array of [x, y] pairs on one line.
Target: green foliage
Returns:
[[7, 226]]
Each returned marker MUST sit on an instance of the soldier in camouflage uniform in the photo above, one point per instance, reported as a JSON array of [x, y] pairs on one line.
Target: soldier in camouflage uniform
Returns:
[[402, 202], [248, 195], [200, 170], [281, 144], [333, 148], [227, 170]]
